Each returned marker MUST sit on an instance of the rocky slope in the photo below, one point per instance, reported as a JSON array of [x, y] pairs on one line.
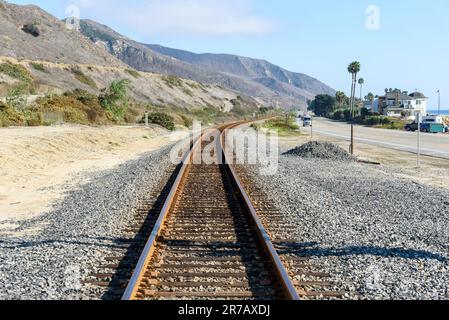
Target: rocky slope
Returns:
[[31, 33], [257, 78], [58, 59]]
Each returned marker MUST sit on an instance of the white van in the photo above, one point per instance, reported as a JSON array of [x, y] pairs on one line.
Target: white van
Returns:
[[307, 121]]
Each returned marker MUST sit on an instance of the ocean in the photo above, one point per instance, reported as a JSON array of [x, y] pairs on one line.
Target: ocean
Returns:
[[444, 112]]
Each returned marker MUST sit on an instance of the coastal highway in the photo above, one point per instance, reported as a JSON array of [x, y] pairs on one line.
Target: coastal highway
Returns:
[[436, 145]]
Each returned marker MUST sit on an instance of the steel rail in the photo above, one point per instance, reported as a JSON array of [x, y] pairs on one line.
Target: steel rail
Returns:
[[148, 251], [150, 247], [287, 284]]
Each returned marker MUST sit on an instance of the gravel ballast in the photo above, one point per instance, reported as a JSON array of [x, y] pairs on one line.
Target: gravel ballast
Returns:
[[321, 150], [377, 235], [79, 233]]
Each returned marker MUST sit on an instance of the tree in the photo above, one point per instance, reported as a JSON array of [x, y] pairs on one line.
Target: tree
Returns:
[[323, 105], [341, 98], [115, 98], [353, 69], [263, 110], [364, 112], [361, 83], [370, 98]]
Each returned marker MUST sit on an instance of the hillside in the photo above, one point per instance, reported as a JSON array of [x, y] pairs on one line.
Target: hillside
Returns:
[[29, 32], [39, 54], [260, 79]]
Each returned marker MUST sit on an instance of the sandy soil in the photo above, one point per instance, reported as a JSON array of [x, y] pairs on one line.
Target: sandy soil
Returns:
[[38, 165], [433, 171]]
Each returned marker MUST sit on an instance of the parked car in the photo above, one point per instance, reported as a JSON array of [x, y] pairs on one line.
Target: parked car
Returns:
[[412, 127], [447, 129]]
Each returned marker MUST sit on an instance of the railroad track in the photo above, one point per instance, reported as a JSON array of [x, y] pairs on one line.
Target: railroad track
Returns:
[[208, 242], [205, 237]]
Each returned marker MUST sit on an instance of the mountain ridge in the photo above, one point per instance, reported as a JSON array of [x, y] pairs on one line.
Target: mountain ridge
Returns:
[[258, 78], [39, 49]]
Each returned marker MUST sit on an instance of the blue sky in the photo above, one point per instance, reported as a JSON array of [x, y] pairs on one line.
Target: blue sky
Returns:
[[408, 47]]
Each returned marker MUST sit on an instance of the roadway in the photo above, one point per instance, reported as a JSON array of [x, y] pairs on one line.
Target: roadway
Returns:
[[436, 145]]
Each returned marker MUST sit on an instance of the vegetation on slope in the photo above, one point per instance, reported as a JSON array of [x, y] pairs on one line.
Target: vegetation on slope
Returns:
[[172, 81], [111, 105], [38, 66], [20, 73], [82, 77]]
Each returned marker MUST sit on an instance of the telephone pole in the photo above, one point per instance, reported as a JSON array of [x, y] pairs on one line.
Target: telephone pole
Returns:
[[439, 102]]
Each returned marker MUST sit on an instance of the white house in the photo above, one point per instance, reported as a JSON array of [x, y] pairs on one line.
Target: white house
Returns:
[[400, 104]]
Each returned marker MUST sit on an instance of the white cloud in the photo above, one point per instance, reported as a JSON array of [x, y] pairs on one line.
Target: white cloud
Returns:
[[181, 17]]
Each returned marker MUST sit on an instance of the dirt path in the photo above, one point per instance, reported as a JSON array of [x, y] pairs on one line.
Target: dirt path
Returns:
[[38, 165]]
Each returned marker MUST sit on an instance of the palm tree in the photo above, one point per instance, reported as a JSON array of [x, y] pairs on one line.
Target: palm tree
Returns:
[[370, 98], [353, 69], [361, 83], [341, 98]]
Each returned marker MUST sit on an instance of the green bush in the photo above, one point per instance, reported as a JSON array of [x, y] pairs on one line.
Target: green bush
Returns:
[[76, 106], [115, 98], [38, 67], [163, 119], [83, 78]]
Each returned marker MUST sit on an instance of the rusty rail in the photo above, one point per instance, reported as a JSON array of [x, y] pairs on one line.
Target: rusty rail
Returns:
[[287, 284]]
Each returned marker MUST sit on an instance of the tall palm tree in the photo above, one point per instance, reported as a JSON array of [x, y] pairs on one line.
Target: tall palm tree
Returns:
[[353, 69], [361, 83]]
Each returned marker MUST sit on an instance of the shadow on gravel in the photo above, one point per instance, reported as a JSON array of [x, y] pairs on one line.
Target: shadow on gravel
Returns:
[[92, 242], [125, 268], [310, 250]]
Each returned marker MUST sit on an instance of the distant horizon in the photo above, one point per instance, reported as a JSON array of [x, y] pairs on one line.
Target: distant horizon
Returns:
[[317, 38]]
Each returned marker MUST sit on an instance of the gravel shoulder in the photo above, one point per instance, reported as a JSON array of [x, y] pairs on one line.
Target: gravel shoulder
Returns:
[[379, 235], [82, 229]]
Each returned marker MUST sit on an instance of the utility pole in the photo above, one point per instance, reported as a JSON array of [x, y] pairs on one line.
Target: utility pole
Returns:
[[311, 128], [353, 88], [439, 102], [418, 161]]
